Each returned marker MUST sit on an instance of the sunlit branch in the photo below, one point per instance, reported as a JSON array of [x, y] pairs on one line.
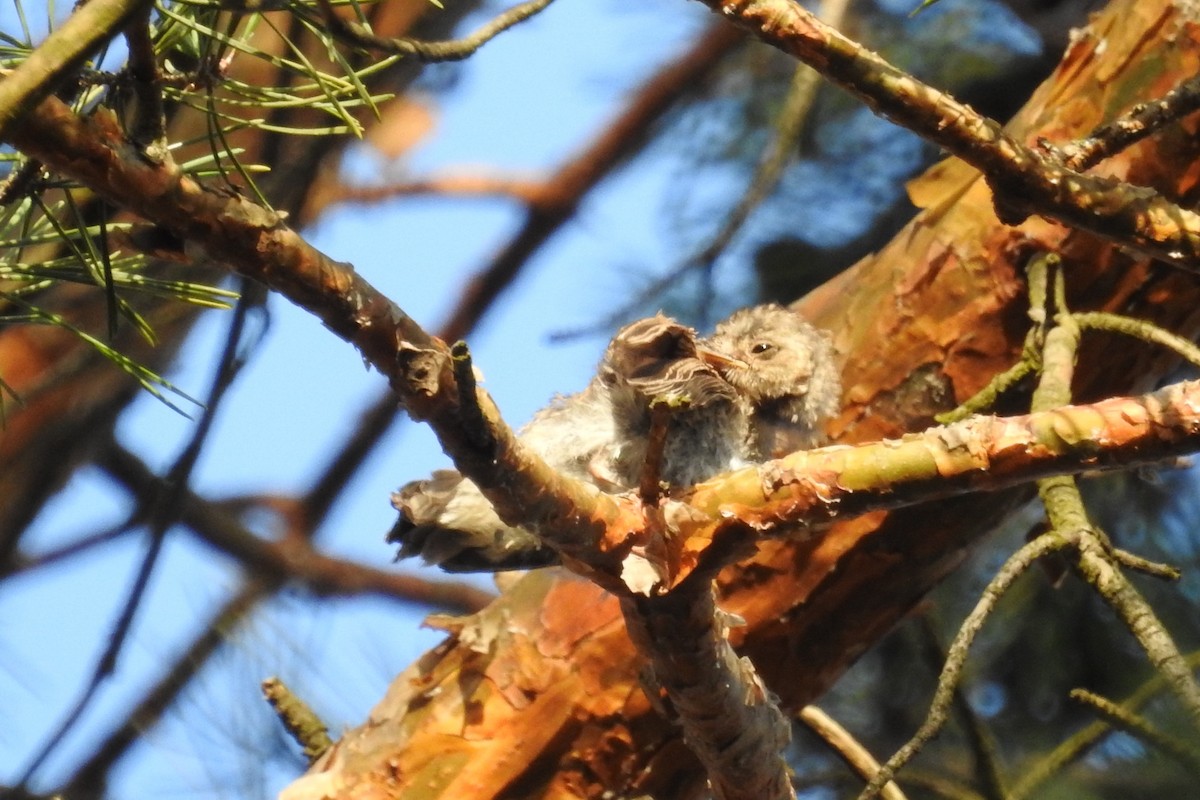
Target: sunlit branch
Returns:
[[451, 50], [1143, 120], [1023, 180]]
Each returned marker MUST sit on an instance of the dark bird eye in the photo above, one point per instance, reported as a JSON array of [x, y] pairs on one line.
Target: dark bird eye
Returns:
[[761, 347]]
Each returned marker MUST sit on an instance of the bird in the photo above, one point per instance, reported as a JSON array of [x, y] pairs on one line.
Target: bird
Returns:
[[785, 375], [601, 436], [761, 386]]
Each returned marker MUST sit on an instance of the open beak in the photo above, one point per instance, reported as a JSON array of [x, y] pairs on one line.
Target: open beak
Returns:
[[719, 361]]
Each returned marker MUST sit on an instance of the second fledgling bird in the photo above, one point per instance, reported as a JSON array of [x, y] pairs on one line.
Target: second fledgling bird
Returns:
[[786, 378]]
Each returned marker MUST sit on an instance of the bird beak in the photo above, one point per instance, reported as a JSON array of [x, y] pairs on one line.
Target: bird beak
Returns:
[[720, 361]]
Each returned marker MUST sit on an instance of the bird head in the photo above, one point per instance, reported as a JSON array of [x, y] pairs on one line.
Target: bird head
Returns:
[[660, 359], [773, 352]]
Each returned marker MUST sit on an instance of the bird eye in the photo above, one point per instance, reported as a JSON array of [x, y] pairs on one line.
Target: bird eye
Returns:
[[761, 347]]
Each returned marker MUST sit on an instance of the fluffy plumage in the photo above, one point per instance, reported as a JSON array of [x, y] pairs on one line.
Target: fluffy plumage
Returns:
[[598, 436], [761, 386], [785, 376]]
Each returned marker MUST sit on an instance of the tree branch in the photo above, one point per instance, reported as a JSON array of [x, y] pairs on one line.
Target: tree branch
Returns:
[[971, 456], [64, 50], [1023, 180], [451, 50], [292, 558]]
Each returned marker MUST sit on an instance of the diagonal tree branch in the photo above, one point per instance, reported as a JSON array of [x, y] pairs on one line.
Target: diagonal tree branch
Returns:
[[64, 50], [1024, 181]]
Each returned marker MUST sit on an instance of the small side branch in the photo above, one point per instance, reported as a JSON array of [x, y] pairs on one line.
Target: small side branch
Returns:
[[450, 50], [298, 718], [1136, 725], [1141, 121], [849, 749], [956, 657], [149, 121]]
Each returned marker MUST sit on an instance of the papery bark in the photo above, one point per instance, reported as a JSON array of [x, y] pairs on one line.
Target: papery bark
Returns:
[[921, 325]]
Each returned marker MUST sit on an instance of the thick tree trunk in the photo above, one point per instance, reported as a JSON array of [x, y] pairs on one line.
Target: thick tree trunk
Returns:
[[538, 695]]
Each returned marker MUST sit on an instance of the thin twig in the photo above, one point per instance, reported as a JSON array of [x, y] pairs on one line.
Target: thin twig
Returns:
[[291, 557], [982, 745], [1137, 726], [149, 118], [525, 190], [1129, 560], [162, 694], [1139, 329], [450, 50], [575, 178], [779, 152], [848, 748], [956, 656], [23, 563], [298, 719], [1101, 572], [1073, 748], [1141, 121], [160, 513]]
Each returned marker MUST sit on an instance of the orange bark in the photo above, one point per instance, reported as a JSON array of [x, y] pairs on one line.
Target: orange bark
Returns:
[[537, 696]]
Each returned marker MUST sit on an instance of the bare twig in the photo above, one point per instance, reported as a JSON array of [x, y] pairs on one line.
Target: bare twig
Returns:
[[571, 181], [956, 657], [525, 190], [291, 558], [149, 118], [159, 697], [451, 50], [1099, 569], [778, 153], [160, 511], [275, 563], [1137, 726], [1139, 329], [1073, 748], [983, 747], [1141, 121], [848, 748], [298, 719]]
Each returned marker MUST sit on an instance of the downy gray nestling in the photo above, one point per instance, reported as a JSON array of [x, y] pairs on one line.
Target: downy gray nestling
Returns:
[[761, 386]]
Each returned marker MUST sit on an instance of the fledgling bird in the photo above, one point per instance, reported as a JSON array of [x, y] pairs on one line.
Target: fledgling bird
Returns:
[[761, 386], [599, 436], [785, 375]]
